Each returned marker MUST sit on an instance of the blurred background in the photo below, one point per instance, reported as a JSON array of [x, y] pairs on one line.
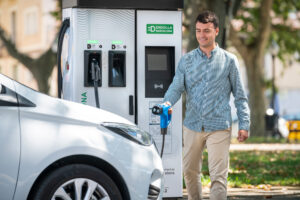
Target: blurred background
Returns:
[[264, 34]]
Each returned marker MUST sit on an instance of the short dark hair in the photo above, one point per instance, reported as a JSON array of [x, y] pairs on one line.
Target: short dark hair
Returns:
[[207, 17]]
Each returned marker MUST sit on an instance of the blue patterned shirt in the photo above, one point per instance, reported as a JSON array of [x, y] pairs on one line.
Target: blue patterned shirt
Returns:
[[208, 83]]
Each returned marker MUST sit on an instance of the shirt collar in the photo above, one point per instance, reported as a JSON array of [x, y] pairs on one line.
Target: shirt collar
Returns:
[[213, 52]]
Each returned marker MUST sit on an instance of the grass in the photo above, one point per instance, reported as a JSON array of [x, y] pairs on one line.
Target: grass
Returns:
[[256, 167]]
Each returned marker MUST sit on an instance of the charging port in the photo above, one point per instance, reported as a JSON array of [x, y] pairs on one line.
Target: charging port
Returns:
[[91, 57]]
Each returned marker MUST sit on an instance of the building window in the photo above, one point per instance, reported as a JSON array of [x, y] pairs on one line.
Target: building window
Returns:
[[13, 26], [31, 21], [15, 72]]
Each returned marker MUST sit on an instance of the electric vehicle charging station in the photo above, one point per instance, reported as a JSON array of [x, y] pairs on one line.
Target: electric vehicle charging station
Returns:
[[135, 47]]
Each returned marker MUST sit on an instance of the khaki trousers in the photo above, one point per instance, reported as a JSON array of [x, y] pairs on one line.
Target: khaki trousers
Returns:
[[217, 144]]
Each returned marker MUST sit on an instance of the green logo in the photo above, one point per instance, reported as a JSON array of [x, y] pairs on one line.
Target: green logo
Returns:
[[117, 42], [159, 29], [84, 98], [93, 42]]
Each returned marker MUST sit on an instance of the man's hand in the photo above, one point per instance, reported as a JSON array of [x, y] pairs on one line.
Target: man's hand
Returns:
[[170, 109], [242, 135]]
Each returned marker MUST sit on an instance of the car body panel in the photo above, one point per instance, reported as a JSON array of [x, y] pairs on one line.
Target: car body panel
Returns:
[[10, 145]]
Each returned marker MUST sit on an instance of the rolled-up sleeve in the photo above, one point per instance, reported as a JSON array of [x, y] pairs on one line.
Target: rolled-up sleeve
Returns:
[[177, 86], [241, 100]]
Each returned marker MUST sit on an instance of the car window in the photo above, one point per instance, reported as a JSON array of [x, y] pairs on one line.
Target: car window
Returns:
[[8, 97], [2, 89]]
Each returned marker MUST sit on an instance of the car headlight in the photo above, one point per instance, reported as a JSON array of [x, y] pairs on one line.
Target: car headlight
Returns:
[[130, 132]]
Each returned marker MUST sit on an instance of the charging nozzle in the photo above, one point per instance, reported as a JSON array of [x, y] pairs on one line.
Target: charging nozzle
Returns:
[[96, 71], [163, 111], [96, 77], [165, 118]]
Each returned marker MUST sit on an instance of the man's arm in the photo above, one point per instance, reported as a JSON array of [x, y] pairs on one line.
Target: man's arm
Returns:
[[240, 101], [177, 86]]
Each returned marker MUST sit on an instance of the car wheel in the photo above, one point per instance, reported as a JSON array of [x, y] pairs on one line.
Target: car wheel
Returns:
[[77, 182]]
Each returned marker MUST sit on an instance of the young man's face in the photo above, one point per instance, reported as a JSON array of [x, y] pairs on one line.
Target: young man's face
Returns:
[[206, 34]]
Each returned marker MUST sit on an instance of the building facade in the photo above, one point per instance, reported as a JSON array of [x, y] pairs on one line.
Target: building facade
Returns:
[[31, 26]]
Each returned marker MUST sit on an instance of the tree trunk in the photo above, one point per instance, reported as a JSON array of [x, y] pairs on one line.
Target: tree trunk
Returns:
[[220, 8], [41, 67], [254, 66], [192, 10], [42, 79]]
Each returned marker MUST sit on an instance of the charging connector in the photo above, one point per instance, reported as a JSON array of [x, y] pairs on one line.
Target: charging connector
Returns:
[[96, 77], [165, 118]]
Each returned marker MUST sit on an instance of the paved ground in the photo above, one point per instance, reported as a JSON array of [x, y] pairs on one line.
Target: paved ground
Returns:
[[273, 193], [264, 147]]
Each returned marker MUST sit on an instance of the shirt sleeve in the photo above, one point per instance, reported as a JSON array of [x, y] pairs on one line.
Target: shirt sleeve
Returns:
[[240, 98], [177, 86]]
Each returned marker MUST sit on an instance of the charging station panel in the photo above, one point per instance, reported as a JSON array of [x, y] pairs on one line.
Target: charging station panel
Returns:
[[117, 69], [159, 70], [89, 55], [158, 52]]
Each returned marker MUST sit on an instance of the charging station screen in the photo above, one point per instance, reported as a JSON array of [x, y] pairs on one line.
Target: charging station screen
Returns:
[[159, 70], [157, 62]]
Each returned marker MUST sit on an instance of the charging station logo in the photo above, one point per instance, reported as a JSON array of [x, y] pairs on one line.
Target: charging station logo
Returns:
[[159, 29], [84, 98]]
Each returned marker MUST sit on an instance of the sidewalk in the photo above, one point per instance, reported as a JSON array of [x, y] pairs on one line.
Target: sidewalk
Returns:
[[274, 193], [264, 147]]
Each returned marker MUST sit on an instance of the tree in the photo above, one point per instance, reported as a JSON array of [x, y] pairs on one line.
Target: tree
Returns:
[[262, 21], [223, 9], [41, 68]]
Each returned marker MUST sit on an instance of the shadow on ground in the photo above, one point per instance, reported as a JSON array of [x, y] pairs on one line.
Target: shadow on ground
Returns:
[[274, 193]]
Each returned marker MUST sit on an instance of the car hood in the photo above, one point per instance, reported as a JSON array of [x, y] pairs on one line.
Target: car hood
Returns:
[[65, 110]]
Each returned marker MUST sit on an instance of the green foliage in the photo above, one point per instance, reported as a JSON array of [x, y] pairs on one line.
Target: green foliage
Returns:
[[249, 15], [280, 168], [57, 13], [286, 35]]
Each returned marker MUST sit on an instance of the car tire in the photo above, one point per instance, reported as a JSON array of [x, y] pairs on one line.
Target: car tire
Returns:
[[71, 181]]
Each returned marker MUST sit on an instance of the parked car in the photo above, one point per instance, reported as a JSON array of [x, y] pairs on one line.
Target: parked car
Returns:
[[52, 149]]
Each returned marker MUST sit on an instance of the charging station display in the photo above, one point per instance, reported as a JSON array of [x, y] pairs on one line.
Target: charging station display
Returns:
[[159, 67]]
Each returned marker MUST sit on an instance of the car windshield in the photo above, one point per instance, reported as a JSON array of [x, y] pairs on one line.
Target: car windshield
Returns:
[[18, 83]]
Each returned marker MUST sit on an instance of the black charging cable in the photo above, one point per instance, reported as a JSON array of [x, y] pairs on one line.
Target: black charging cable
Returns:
[[62, 31], [156, 110], [163, 132], [96, 77]]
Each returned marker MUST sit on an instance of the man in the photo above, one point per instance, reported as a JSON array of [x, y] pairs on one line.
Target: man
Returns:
[[208, 75]]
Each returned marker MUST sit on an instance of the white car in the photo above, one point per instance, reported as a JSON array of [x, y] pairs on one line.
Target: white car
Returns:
[[52, 149]]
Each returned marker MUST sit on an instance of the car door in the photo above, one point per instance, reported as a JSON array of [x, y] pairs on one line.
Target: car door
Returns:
[[9, 138]]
